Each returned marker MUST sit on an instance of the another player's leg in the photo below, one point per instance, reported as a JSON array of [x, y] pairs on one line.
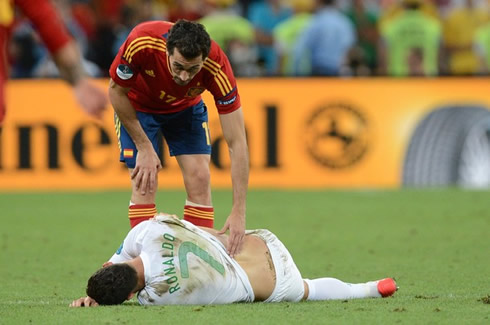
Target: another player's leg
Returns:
[[333, 289], [198, 208], [190, 143], [141, 207]]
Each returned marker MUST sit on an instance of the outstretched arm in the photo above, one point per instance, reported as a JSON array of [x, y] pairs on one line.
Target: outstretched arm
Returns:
[[66, 54], [234, 132]]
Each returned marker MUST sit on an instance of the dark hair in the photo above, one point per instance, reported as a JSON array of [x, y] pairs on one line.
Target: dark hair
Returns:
[[112, 285], [190, 38]]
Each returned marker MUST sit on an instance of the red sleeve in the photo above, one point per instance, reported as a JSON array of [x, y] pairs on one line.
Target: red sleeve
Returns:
[[125, 68], [47, 21], [221, 82]]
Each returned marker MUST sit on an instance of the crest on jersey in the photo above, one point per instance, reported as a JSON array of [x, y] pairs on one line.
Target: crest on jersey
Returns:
[[195, 91], [124, 72]]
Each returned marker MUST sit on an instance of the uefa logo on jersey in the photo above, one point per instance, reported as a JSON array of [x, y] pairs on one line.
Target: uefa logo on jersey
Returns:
[[124, 72], [337, 135]]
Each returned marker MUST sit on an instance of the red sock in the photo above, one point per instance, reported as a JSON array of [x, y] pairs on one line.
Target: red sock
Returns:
[[141, 212], [199, 216]]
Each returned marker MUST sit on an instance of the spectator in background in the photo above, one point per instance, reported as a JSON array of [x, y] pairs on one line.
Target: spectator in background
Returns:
[[107, 17], [459, 32], [265, 16], [25, 50], [365, 22], [184, 9], [286, 35], [394, 8], [132, 13], [233, 33], [46, 67], [64, 50], [410, 42], [326, 41], [84, 14], [443, 6], [482, 47]]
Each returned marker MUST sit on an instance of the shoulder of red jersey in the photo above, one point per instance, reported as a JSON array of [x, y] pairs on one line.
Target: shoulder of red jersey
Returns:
[[152, 28], [216, 54], [146, 36], [145, 39], [220, 80], [219, 71]]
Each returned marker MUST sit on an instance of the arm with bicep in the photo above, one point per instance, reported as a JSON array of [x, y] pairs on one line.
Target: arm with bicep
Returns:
[[66, 54]]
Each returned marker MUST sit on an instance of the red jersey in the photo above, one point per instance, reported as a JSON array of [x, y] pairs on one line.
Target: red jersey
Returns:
[[48, 24], [142, 65]]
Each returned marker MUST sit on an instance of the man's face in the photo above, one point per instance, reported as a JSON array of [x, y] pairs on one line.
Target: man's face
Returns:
[[182, 69]]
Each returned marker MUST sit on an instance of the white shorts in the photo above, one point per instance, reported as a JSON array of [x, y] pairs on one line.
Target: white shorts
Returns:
[[289, 283]]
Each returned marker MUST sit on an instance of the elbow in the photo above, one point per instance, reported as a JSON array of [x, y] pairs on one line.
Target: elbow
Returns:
[[116, 92], [238, 148]]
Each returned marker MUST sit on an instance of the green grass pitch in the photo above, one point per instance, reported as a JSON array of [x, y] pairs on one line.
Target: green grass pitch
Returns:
[[434, 242]]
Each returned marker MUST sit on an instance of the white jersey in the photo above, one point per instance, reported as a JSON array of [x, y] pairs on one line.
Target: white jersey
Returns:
[[183, 265]]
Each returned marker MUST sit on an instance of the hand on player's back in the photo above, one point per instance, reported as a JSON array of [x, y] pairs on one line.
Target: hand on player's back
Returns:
[[236, 225]]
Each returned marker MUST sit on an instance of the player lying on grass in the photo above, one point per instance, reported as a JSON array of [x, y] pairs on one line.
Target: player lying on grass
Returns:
[[170, 261]]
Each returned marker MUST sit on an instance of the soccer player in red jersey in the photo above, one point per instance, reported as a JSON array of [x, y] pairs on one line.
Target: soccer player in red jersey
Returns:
[[65, 52], [156, 81]]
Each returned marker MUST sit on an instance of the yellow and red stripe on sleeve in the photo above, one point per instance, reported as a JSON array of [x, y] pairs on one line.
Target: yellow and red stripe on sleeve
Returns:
[[220, 77], [141, 43]]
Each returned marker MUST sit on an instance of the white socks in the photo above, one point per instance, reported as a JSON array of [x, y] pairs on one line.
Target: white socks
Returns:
[[192, 204], [330, 289]]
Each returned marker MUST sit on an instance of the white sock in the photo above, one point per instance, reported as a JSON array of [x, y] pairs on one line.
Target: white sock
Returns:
[[192, 204], [330, 289]]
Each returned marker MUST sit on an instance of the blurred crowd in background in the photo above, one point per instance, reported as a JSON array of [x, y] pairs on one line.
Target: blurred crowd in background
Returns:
[[285, 37]]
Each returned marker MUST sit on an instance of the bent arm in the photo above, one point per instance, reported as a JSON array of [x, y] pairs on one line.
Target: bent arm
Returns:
[[144, 174], [127, 115], [66, 54]]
